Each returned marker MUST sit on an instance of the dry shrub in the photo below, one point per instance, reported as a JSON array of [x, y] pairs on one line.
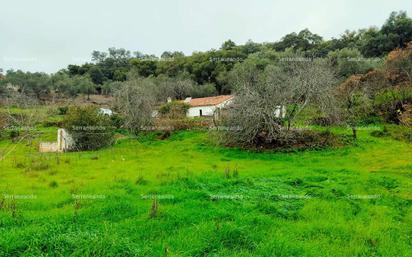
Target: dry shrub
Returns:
[[3, 120], [294, 139], [324, 121], [2, 203], [164, 135], [227, 173], [174, 109], [39, 165], [269, 102], [77, 205], [399, 65], [397, 132], [141, 181], [182, 123], [154, 209], [405, 117], [393, 102]]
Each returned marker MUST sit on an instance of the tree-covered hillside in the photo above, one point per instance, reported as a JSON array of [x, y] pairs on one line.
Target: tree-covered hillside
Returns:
[[212, 68]]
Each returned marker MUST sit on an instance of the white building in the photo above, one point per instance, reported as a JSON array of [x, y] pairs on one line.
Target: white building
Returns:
[[106, 111], [207, 106]]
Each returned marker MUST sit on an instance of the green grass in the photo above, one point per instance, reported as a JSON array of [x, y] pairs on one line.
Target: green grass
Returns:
[[213, 201]]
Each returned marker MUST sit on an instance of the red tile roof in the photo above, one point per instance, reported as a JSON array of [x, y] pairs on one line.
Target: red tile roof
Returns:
[[206, 101]]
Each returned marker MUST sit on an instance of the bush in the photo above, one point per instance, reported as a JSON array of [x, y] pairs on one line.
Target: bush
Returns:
[[14, 134], [405, 117], [323, 121], [397, 132], [174, 109], [380, 133], [371, 119], [51, 122], [117, 121], [391, 103], [3, 124], [295, 139], [314, 139], [182, 124], [164, 135], [62, 110], [89, 128]]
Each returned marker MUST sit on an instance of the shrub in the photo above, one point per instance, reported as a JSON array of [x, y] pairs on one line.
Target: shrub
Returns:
[[398, 65], [3, 119], [405, 117], [174, 109], [89, 128], [402, 133], [117, 121], [392, 103], [323, 121], [182, 123], [62, 110], [141, 181], [380, 133], [38, 165], [4, 123], [52, 123], [53, 184], [154, 209], [164, 135], [356, 105], [14, 134], [397, 132], [294, 139]]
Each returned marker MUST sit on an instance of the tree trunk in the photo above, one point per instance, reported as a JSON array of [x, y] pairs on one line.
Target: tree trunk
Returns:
[[354, 133]]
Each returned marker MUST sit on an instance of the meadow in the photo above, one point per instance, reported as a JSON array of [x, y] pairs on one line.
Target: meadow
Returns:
[[185, 196]]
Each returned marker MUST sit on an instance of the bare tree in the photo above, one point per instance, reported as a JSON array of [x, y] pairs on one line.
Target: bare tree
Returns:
[[136, 101], [258, 113], [355, 104], [21, 124], [176, 88], [308, 83]]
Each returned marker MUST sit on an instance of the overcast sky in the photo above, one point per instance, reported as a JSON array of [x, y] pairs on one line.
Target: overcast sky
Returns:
[[47, 35]]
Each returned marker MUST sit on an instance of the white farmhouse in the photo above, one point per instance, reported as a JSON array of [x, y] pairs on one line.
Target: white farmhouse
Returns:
[[207, 106]]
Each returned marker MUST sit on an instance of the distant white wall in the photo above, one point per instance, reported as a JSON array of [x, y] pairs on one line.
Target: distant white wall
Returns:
[[206, 110], [106, 111]]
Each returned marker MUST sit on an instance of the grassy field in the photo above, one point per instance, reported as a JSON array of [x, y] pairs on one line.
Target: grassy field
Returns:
[[184, 196]]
